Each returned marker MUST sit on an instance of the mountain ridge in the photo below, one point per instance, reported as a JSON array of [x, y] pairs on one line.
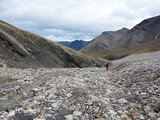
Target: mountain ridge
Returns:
[[143, 37], [144, 32], [76, 44], [22, 49], [104, 40]]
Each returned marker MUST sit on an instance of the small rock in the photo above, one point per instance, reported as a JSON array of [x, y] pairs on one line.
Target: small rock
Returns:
[[7, 110], [135, 109], [141, 117], [35, 89], [157, 107], [38, 119], [32, 111], [77, 113], [69, 95], [152, 115], [122, 101], [11, 114], [22, 117], [55, 106], [143, 93], [50, 108], [112, 112], [24, 94], [97, 116], [123, 116], [69, 117], [4, 93], [96, 110], [19, 110], [133, 105], [147, 109], [17, 88]]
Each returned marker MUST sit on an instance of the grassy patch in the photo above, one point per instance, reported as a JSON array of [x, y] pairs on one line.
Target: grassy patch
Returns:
[[117, 53]]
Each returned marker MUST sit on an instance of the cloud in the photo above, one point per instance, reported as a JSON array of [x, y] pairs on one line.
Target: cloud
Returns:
[[56, 39], [73, 19], [60, 35]]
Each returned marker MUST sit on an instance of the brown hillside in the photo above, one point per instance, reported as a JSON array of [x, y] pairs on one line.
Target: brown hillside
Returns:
[[23, 49]]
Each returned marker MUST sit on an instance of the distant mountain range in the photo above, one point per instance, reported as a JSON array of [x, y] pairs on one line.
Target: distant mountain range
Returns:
[[76, 45], [22, 49], [144, 37]]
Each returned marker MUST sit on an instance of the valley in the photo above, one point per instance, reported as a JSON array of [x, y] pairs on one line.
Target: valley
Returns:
[[43, 80], [129, 90]]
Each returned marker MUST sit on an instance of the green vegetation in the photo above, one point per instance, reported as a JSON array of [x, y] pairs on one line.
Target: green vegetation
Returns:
[[117, 53]]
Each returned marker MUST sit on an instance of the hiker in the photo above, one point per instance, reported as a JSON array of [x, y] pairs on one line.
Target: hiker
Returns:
[[107, 66]]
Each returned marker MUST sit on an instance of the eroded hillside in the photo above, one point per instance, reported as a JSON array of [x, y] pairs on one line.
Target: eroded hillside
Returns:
[[142, 38], [21, 49]]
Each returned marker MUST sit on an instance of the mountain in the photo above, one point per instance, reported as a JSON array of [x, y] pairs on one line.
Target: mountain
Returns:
[[76, 45], [22, 49], [146, 31], [101, 43], [144, 37], [65, 43]]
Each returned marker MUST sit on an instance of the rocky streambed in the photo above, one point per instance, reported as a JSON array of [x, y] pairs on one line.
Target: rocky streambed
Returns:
[[128, 91]]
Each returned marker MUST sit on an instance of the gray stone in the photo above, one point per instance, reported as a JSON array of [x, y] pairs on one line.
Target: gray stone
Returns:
[[55, 106], [69, 117], [157, 107], [77, 113], [12, 113], [35, 89]]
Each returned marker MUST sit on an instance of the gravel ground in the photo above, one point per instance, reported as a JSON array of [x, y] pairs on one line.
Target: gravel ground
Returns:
[[138, 57], [130, 90]]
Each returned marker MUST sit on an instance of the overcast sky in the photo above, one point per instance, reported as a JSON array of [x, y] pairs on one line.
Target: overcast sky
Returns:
[[67, 20]]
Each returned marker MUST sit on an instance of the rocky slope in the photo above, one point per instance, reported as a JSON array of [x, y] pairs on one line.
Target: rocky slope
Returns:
[[104, 41], [139, 57], [22, 49], [128, 91], [143, 38], [146, 31]]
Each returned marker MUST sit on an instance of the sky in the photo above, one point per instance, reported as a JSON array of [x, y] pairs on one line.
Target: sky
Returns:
[[68, 20]]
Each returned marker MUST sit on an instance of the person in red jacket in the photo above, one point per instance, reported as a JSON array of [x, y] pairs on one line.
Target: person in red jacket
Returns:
[[107, 66]]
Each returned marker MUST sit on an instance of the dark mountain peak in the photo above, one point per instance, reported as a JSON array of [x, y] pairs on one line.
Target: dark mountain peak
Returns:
[[78, 41], [65, 43], [105, 32], [76, 45], [120, 31], [124, 29], [151, 24], [146, 31]]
